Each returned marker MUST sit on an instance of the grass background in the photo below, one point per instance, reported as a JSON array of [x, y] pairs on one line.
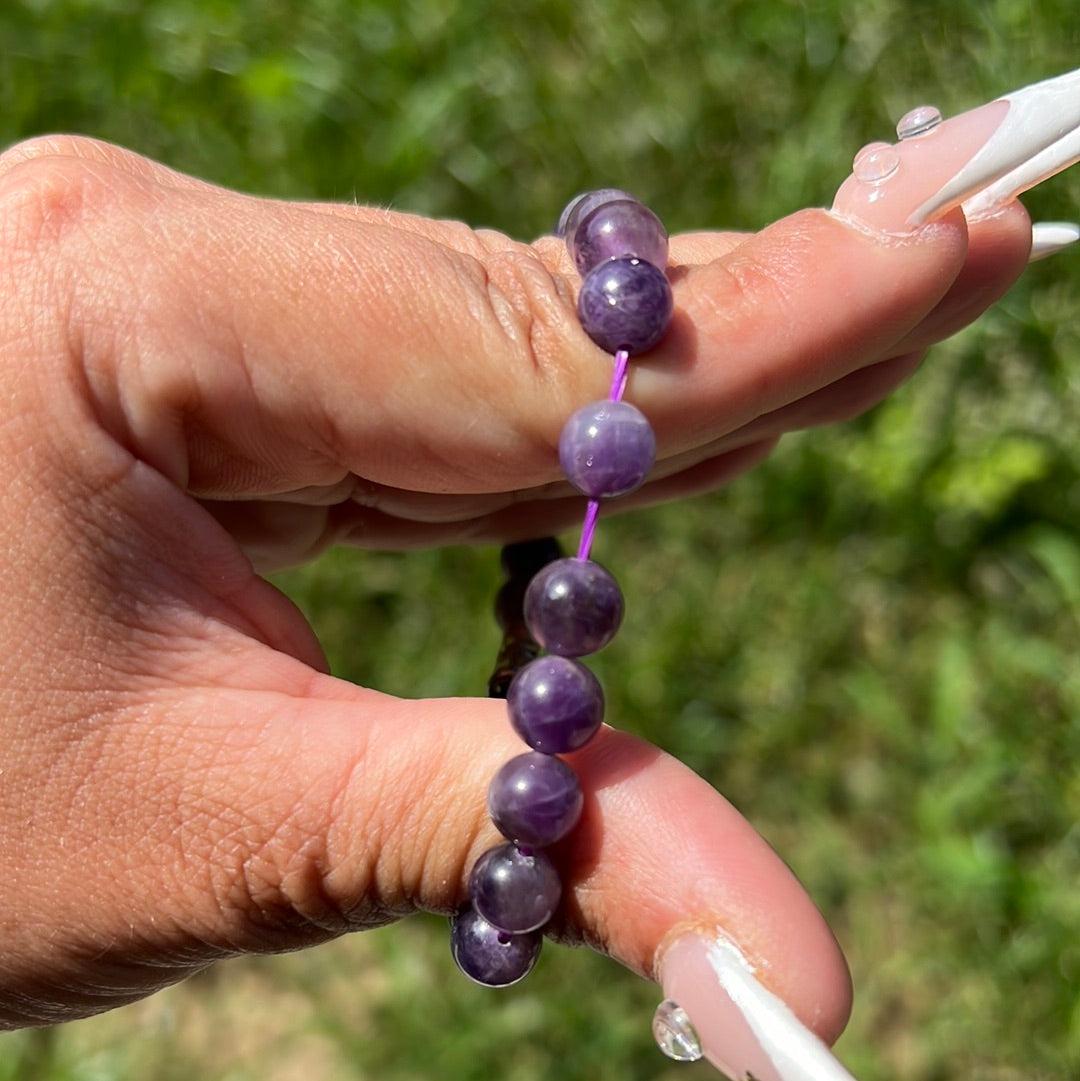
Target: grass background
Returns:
[[868, 643]]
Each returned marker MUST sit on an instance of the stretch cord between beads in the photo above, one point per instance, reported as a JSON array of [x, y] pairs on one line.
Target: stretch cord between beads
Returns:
[[592, 511]]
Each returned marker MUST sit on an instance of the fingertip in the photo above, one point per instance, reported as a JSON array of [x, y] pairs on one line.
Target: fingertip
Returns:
[[657, 849], [995, 255], [718, 1006], [786, 312], [660, 853]]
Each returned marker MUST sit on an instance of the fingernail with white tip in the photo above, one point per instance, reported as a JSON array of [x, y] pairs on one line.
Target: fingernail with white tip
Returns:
[[715, 1008], [892, 185], [1040, 138], [1050, 237], [980, 160]]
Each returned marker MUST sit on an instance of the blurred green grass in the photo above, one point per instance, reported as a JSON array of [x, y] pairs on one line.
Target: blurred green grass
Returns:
[[868, 644]]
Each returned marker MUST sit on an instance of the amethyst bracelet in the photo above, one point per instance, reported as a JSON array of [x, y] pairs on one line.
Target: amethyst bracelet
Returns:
[[554, 609]]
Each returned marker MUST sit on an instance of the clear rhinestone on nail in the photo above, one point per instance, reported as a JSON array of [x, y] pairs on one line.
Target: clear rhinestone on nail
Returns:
[[918, 122], [875, 162], [674, 1033]]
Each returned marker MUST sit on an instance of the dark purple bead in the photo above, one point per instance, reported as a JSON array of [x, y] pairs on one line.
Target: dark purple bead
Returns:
[[585, 203], [607, 448], [535, 799], [520, 562], [573, 607], [619, 229], [522, 559], [513, 890], [625, 304], [508, 604], [489, 956], [556, 705]]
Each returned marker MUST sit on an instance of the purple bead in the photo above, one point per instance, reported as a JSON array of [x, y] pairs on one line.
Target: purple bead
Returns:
[[489, 956], [585, 203], [607, 448], [520, 562], [556, 705], [535, 799], [522, 559], [513, 890], [573, 607], [625, 304], [619, 229]]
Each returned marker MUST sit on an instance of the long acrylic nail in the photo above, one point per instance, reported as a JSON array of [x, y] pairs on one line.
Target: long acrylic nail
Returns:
[[980, 160], [1050, 237], [716, 1008], [892, 184]]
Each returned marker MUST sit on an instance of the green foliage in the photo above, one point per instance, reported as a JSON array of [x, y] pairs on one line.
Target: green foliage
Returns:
[[868, 644]]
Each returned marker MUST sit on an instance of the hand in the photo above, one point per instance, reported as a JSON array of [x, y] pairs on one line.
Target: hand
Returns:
[[197, 380]]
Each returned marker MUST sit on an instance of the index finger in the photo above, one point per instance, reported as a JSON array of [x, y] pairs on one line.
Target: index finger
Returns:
[[247, 347]]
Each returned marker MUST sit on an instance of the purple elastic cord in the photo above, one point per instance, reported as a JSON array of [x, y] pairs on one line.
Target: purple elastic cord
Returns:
[[618, 376], [592, 511], [588, 528]]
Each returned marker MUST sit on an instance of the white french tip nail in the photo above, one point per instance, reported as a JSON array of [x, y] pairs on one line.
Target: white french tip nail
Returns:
[[1050, 237], [715, 1008], [1052, 160], [1039, 136]]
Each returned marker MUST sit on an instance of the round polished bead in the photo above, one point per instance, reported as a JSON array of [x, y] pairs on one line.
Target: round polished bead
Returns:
[[619, 229], [556, 705], [607, 449], [513, 890], [489, 956], [573, 607], [625, 304], [535, 799], [583, 204]]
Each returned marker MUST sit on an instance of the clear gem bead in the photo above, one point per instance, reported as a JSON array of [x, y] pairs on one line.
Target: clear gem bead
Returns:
[[674, 1034], [918, 121], [875, 162]]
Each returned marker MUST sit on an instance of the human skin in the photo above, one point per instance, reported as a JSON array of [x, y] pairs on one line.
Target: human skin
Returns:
[[200, 386]]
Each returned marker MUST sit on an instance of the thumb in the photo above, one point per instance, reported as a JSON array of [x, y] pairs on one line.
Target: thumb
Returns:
[[262, 806], [661, 873]]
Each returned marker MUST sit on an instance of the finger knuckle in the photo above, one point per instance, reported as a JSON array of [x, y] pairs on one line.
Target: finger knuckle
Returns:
[[47, 185]]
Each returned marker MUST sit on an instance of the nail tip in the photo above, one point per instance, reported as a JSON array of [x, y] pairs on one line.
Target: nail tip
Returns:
[[1044, 119], [742, 1027], [1050, 237], [1037, 136]]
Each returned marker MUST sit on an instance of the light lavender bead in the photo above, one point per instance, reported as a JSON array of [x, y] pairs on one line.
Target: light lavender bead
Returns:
[[615, 230], [607, 448], [581, 205]]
